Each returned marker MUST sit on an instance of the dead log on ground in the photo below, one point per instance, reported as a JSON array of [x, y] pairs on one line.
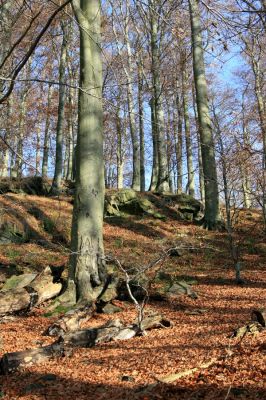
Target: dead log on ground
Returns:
[[11, 362], [70, 321], [113, 330]]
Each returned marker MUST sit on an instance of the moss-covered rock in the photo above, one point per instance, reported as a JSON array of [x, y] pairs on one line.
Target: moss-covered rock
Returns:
[[18, 281], [34, 185], [13, 233], [187, 207], [128, 202]]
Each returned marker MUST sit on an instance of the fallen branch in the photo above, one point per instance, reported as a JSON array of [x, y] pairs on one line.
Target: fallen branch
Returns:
[[174, 377], [70, 321], [114, 330]]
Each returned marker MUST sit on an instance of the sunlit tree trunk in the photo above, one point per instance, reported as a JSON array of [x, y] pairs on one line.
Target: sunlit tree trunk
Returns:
[[38, 150], [141, 129], [56, 185], [200, 166], [119, 152], [4, 172], [190, 169], [163, 178], [46, 135], [155, 161], [17, 168], [87, 268], [256, 66], [179, 144], [212, 215]]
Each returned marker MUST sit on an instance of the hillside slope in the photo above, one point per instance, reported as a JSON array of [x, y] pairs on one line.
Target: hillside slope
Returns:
[[202, 326]]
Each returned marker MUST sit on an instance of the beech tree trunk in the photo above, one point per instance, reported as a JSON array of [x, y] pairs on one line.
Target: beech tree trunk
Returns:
[[46, 134], [87, 267], [163, 178], [212, 214], [71, 136], [56, 185], [256, 65], [119, 150], [155, 162], [132, 122], [179, 145], [141, 128], [190, 169]]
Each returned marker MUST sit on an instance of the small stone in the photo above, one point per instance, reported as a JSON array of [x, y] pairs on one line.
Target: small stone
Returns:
[[48, 377], [126, 378], [111, 309]]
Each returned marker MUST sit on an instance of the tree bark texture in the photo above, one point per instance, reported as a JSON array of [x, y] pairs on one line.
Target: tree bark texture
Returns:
[[212, 215], [87, 265]]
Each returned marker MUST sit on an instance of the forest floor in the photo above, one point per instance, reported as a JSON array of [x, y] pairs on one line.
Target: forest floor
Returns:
[[202, 328]]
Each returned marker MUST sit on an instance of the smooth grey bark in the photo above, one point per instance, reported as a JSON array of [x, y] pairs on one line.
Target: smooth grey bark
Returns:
[[18, 158], [38, 150], [87, 267], [57, 180], [131, 110], [119, 152], [212, 214], [246, 186], [179, 144], [70, 136], [256, 66], [4, 172], [6, 31], [141, 128], [190, 169], [155, 161], [46, 134], [128, 71], [169, 145], [163, 178], [200, 166]]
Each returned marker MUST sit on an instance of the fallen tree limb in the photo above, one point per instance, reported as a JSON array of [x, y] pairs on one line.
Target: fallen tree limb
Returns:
[[114, 330], [70, 321], [174, 377]]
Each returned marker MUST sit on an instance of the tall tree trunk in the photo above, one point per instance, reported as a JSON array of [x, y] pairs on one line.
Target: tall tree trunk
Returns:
[[200, 166], [262, 115], [71, 135], [17, 169], [245, 168], [212, 215], [119, 152], [4, 173], [179, 145], [56, 185], [163, 178], [155, 161], [190, 169], [38, 150], [128, 70], [131, 110], [46, 135], [141, 129], [87, 267]]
